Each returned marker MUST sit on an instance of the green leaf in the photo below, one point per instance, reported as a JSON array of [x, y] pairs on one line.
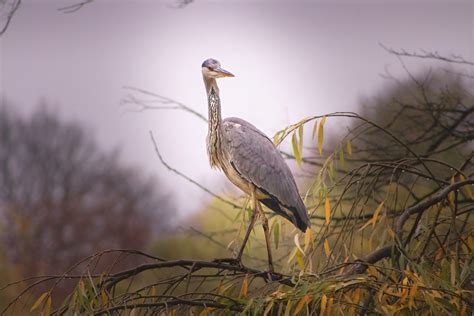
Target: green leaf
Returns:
[[39, 301], [332, 171], [445, 304], [342, 162], [294, 143], [276, 233], [315, 128], [278, 136], [300, 138], [349, 148]]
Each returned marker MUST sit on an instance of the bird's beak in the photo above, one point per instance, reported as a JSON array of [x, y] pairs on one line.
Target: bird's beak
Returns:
[[223, 72]]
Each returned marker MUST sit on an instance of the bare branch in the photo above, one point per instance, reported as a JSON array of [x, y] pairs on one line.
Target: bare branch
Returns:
[[425, 204], [428, 55], [169, 104], [179, 173], [10, 6]]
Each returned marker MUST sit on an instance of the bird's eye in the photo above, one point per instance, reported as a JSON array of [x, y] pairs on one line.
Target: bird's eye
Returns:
[[210, 68]]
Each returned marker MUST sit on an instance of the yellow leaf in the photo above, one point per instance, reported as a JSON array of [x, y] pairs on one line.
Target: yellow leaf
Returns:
[[349, 148], [308, 239], [411, 295], [357, 294], [104, 297], [268, 309], [366, 224], [436, 294], [82, 288], [293, 254], [324, 300], [47, 308], [405, 281], [391, 233], [321, 135], [327, 250], [376, 214], [351, 312], [404, 291], [297, 243], [327, 211], [294, 143], [381, 291], [299, 259], [305, 299], [453, 272], [244, 288], [288, 308], [374, 218], [470, 242], [39, 301], [372, 271], [467, 188], [330, 304], [386, 310]]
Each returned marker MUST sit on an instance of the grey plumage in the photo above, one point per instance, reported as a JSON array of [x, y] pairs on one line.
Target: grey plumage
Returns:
[[257, 160], [250, 160]]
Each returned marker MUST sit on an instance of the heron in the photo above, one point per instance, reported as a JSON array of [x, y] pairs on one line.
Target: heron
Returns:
[[251, 161]]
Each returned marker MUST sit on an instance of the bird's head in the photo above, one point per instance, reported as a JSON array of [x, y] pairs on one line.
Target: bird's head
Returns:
[[211, 69]]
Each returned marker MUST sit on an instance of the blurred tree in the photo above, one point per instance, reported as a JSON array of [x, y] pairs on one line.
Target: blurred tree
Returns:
[[62, 199], [432, 112]]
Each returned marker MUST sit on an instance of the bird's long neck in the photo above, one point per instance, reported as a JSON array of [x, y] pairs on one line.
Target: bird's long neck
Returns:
[[215, 122]]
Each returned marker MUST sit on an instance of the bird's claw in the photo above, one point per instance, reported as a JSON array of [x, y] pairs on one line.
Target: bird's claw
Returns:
[[274, 276]]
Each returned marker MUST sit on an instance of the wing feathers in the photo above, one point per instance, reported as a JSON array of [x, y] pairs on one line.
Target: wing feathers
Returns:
[[256, 159]]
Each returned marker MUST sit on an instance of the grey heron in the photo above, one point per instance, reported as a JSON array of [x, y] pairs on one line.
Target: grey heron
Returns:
[[250, 161]]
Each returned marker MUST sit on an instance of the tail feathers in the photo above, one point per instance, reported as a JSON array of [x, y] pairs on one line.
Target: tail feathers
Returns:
[[299, 217]]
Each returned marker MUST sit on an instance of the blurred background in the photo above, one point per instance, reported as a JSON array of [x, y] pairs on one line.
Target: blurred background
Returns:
[[79, 173]]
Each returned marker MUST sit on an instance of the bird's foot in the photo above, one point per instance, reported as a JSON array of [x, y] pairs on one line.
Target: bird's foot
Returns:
[[230, 261], [274, 276]]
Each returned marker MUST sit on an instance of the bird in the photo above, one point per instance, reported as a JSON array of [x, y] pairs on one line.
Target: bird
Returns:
[[251, 161]]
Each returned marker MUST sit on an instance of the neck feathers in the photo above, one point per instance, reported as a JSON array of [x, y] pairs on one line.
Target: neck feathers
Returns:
[[215, 122]]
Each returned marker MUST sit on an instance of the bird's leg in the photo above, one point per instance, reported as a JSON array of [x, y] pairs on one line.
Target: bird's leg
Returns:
[[267, 234], [253, 217], [238, 259]]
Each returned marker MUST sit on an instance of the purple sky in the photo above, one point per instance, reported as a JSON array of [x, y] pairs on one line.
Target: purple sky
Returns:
[[291, 59]]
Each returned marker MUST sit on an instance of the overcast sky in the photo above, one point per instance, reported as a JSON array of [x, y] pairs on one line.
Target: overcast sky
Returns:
[[291, 59]]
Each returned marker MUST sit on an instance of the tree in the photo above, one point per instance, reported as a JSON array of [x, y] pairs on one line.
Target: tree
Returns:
[[62, 199]]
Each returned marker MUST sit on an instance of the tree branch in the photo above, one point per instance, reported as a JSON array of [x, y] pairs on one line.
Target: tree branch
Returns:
[[428, 55]]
